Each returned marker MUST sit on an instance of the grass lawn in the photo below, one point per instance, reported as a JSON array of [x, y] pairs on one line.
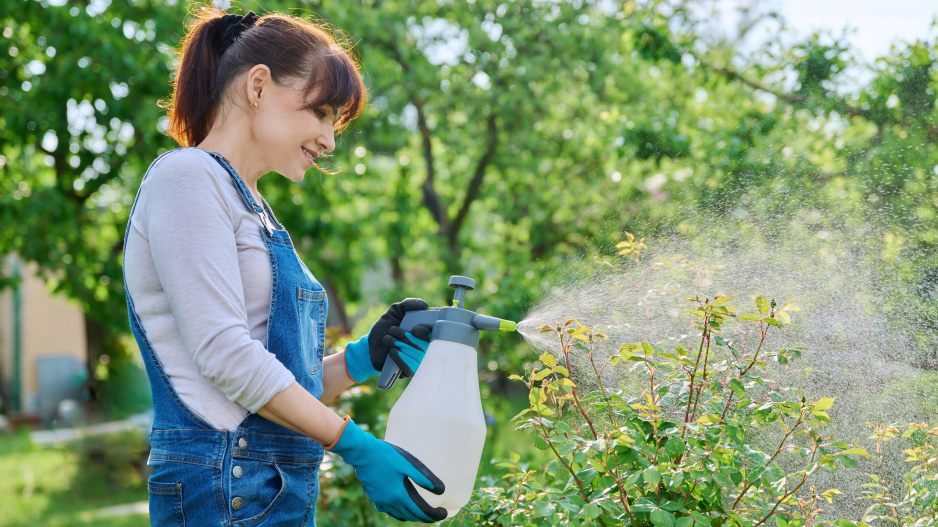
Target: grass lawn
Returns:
[[62, 487], [76, 484]]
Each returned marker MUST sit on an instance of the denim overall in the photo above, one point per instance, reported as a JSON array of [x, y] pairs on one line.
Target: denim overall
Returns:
[[261, 473]]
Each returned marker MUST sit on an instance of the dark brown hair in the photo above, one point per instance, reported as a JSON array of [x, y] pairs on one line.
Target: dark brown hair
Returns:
[[294, 50]]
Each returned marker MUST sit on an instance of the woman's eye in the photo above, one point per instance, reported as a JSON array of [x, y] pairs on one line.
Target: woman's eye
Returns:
[[320, 113]]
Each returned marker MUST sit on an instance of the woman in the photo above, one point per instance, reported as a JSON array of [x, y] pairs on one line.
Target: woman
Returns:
[[229, 321]]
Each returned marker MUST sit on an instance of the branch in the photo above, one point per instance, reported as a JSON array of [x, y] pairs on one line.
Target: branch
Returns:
[[802, 100], [475, 185], [799, 100], [431, 198]]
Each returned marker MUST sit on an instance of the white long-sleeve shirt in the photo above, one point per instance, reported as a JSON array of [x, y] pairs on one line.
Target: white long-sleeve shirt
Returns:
[[199, 276]]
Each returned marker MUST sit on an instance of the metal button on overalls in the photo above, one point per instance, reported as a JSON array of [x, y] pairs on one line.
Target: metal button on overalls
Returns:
[[237, 503], [237, 471], [242, 443]]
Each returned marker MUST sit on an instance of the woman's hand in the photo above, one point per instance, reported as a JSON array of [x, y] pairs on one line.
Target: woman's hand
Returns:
[[365, 357], [386, 472], [408, 347]]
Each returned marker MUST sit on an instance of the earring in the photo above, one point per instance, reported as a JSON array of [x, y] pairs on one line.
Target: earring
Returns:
[[255, 104]]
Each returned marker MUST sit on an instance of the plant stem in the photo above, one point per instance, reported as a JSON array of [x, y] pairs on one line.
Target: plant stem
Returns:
[[755, 357], [693, 375], [623, 496], [778, 451], [787, 494], [544, 435], [576, 398], [579, 484]]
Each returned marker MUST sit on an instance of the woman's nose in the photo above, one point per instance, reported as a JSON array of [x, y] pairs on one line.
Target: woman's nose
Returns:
[[327, 140]]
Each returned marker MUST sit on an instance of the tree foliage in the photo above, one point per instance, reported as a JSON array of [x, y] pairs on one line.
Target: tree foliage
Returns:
[[502, 138]]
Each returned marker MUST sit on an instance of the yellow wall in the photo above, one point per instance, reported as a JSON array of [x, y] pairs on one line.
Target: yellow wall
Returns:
[[50, 326]]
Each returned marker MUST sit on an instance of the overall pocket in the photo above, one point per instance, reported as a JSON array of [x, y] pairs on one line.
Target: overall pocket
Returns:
[[166, 504], [312, 318], [275, 494], [261, 489]]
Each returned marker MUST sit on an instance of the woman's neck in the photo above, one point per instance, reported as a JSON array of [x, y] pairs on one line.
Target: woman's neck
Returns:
[[228, 138]]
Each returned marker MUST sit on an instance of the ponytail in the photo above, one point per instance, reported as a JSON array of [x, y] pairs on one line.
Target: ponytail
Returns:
[[218, 47]]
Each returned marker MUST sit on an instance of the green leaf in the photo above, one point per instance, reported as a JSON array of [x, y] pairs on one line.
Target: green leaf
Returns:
[[662, 518], [644, 505], [708, 419], [597, 465], [591, 511], [848, 462], [548, 360], [737, 388], [685, 521], [540, 443], [570, 505], [652, 476], [857, 451], [749, 317], [772, 322], [544, 509], [823, 403], [762, 305], [700, 519], [674, 447], [566, 449], [780, 521]]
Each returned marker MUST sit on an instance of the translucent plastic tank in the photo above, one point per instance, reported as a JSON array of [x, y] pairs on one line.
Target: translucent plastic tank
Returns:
[[439, 420]]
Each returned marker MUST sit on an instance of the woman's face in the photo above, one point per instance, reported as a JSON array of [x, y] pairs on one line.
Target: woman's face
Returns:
[[288, 136]]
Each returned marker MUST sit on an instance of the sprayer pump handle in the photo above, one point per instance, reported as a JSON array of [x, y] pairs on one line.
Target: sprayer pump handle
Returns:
[[457, 281]]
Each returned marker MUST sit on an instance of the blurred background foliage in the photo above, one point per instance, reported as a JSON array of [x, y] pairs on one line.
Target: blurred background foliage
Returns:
[[505, 140]]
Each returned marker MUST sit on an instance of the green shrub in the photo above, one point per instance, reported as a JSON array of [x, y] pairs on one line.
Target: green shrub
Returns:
[[914, 502], [706, 431]]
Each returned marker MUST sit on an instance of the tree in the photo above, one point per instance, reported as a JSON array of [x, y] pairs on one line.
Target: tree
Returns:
[[79, 126]]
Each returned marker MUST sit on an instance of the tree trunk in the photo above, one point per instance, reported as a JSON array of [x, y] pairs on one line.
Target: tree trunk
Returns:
[[101, 342]]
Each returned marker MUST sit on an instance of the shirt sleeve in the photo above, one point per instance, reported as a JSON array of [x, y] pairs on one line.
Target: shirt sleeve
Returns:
[[190, 228]]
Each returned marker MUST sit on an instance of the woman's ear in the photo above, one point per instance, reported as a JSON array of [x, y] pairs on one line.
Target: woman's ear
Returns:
[[258, 78]]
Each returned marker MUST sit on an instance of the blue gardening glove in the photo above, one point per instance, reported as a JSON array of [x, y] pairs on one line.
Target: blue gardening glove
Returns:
[[408, 347], [365, 357], [384, 470]]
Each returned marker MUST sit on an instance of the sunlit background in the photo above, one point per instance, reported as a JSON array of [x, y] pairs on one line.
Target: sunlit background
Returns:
[[788, 147]]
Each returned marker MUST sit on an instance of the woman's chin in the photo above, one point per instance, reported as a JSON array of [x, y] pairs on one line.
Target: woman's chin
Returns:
[[295, 175]]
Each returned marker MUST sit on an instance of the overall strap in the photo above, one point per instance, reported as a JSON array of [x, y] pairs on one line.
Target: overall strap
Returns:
[[245, 194]]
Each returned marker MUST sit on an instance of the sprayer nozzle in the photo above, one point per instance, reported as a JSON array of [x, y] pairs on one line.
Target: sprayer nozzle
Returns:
[[507, 325]]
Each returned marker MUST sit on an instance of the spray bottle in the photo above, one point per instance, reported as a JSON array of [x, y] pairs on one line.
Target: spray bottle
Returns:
[[439, 416]]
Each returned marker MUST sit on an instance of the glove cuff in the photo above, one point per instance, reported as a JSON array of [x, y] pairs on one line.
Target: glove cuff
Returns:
[[348, 444], [346, 420], [358, 360]]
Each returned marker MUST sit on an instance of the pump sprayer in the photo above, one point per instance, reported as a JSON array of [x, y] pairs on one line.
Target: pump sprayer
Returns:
[[439, 416]]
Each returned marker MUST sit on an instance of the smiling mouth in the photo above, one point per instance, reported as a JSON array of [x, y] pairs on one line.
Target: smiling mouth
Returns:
[[310, 155]]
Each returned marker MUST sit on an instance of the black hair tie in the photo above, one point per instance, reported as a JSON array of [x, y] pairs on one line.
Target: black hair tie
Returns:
[[231, 27]]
